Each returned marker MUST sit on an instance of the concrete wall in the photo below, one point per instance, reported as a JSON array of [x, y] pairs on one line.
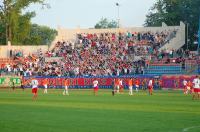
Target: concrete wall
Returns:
[[178, 41], [5, 50], [70, 34]]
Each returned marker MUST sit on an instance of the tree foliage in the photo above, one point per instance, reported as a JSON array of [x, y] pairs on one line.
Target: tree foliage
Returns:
[[40, 35], [2, 32], [105, 23], [173, 11], [15, 26]]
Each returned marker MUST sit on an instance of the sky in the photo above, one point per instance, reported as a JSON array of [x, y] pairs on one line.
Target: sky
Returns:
[[86, 13]]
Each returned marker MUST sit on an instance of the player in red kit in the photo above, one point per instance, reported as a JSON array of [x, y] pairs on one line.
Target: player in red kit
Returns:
[[95, 87], [150, 87], [34, 84]]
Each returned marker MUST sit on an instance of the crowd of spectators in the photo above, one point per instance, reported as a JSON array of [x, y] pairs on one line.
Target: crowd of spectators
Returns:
[[96, 55]]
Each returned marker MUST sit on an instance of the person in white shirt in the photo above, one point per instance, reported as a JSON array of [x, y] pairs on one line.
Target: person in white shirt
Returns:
[[34, 84], [95, 87], [196, 86]]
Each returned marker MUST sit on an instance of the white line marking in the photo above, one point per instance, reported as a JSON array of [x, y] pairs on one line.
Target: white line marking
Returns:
[[189, 128]]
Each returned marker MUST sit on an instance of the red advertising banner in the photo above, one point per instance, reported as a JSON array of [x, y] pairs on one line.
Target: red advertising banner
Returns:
[[104, 82], [174, 82]]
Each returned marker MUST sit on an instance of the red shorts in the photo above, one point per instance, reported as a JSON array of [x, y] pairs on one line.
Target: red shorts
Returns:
[[196, 90], [150, 87], [34, 90], [96, 88]]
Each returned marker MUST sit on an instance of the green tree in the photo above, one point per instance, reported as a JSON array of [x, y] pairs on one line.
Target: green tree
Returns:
[[2, 33], [173, 11], [105, 23], [40, 35], [23, 28], [12, 19], [112, 24]]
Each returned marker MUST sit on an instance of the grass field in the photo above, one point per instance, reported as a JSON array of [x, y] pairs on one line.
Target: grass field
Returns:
[[165, 111]]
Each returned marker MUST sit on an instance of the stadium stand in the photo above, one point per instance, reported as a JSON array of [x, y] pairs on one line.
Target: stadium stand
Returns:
[[108, 53], [161, 69]]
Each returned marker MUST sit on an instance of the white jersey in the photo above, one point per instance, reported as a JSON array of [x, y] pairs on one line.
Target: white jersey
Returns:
[[196, 83], [34, 83], [184, 82], [95, 83], [120, 82], [150, 83]]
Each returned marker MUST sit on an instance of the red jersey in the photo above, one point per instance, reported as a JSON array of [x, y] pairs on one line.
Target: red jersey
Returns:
[[137, 82], [130, 82], [66, 82], [45, 82]]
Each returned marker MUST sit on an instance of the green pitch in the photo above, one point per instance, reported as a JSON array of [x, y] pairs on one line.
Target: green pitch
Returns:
[[165, 111]]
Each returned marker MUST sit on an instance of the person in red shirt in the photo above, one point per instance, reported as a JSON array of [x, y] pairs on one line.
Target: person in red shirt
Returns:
[[66, 84], [117, 84], [130, 84], [45, 83], [188, 87], [137, 83]]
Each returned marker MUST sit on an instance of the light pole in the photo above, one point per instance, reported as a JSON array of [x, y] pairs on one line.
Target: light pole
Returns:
[[118, 19], [187, 35]]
